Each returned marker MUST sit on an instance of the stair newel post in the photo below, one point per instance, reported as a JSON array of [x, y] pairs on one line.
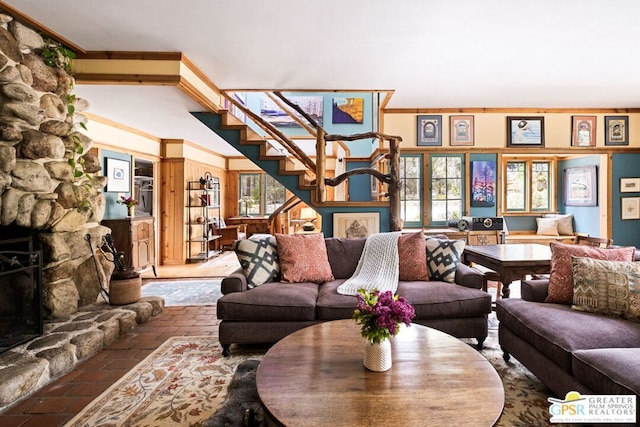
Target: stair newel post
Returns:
[[395, 222], [321, 151]]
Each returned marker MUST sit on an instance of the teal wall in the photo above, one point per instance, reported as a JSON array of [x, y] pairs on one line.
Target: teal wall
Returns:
[[114, 210], [627, 232]]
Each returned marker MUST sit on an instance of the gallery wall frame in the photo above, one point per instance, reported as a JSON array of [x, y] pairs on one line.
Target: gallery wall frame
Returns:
[[616, 130], [483, 183], [356, 224], [583, 131], [629, 185], [272, 113], [525, 131], [118, 175], [462, 130], [630, 208], [429, 132], [580, 186]]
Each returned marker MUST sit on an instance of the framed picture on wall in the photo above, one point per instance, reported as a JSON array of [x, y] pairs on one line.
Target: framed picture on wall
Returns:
[[356, 224], [118, 175], [629, 185], [525, 131], [580, 186], [483, 184], [462, 130], [583, 132], [429, 131], [616, 130], [630, 208]]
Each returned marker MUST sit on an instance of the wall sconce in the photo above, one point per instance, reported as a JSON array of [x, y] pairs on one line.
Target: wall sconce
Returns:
[[309, 215]]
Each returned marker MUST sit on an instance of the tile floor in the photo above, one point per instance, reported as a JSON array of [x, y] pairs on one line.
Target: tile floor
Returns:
[[59, 401]]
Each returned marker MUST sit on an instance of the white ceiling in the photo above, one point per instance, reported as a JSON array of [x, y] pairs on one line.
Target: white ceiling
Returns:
[[433, 54]]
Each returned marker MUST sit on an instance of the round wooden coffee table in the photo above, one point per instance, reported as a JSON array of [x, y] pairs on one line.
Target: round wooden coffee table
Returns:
[[315, 377]]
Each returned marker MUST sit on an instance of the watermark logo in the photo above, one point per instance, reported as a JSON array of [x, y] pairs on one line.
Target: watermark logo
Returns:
[[577, 408]]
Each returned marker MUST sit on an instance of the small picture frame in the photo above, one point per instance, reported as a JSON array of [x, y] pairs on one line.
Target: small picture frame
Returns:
[[118, 175], [525, 131], [630, 208], [462, 130], [429, 131], [616, 130], [583, 132], [629, 185], [356, 224]]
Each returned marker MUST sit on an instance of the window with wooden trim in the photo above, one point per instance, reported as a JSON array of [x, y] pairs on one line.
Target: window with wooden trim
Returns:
[[447, 188], [411, 190], [528, 186], [260, 194]]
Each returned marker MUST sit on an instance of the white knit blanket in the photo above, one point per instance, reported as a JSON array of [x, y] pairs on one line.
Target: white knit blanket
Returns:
[[377, 267]]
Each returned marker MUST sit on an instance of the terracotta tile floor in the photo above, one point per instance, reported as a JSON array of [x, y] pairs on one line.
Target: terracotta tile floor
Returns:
[[59, 401]]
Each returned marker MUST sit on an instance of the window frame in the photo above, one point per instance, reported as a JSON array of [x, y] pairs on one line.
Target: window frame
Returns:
[[262, 184], [529, 185], [463, 195], [420, 180]]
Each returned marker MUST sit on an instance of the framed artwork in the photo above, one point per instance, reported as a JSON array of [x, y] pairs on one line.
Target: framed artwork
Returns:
[[272, 113], [525, 131], [580, 186], [462, 130], [630, 208], [616, 130], [348, 111], [583, 133], [429, 131], [629, 185], [356, 224], [118, 175], [483, 183]]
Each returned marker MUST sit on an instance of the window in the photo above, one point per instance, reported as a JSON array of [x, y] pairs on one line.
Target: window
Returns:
[[528, 186], [447, 188], [260, 194], [411, 190]]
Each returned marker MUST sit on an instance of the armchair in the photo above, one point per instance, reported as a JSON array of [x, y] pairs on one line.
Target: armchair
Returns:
[[229, 233]]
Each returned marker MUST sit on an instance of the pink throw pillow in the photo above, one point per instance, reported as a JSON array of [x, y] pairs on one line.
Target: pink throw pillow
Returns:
[[412, 254], [561, 278], [303, 258]]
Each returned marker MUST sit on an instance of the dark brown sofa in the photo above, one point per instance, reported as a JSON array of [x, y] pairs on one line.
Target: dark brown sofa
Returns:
[[271, 311], [569, 350]]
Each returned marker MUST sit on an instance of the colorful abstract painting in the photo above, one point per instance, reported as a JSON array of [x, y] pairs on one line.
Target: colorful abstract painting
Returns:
[[483, 184], [348, 110], [272, 113]]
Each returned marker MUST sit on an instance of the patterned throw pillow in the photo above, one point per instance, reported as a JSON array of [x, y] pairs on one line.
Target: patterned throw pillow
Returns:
[[303, 258], [561, 278], [258, 259], [443, 257], [607, 287], [412, 257]]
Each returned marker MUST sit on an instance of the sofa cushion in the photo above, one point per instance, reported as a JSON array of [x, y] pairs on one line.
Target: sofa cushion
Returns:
[[609, 370], [556, 330], [607, 287], [412, 257], [565, 223], [303, 258], [547, 226], [274, 301], [258, 259], [561, 277], [333, 306], [436, 299], [443, 256], [343, 255]]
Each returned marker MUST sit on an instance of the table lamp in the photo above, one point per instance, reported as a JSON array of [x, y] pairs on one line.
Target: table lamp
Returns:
[[309, 215]]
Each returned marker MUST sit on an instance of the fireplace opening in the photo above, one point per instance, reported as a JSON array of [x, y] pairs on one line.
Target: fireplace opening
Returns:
[[21, 316]]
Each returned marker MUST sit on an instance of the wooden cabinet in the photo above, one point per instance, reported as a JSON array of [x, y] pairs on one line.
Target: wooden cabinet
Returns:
[[134, 237], [255, 224]]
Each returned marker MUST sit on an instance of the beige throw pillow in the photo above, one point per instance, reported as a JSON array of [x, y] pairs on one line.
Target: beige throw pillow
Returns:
[[547, 226], [565, 223]]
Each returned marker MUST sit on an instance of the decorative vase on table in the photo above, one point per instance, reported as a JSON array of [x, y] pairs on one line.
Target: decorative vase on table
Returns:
[[131, 211], [377, 356]]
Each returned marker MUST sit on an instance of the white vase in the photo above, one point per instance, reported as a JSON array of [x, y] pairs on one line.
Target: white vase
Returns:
[[131, 211], [377, 357]]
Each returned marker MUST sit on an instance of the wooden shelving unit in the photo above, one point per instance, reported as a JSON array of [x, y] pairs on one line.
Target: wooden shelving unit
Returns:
[[203, 211]]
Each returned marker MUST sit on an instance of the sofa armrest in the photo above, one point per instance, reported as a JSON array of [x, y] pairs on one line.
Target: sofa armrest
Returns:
[[235, 282], [469, 277], [534, 290]]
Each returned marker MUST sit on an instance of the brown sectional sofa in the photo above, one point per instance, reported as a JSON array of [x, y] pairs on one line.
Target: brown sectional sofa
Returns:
[[271, 311], [570, 350]]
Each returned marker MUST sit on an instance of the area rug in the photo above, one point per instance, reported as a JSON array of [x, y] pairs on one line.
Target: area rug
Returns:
[[181, 383], [184, 292]]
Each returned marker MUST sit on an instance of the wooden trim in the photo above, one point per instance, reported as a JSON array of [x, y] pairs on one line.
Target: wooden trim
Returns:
[[608, 199], [200, 147], [156, 56], [30, 22], [117, 79], [198, 72], [511, 110], [192, 92], [117, 125], [120, 149]]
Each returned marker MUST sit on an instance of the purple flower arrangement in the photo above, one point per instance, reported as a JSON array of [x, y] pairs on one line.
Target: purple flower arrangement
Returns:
[[381, 314], [127, 201]]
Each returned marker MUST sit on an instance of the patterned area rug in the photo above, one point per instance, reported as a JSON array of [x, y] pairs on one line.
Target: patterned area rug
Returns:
[[186, 380], [182, 382], [184, 292]]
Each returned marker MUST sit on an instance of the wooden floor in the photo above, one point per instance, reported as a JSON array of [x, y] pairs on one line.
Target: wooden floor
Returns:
[[219, 266]]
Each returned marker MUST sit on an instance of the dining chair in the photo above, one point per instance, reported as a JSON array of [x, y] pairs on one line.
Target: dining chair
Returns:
[[599, 242]]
